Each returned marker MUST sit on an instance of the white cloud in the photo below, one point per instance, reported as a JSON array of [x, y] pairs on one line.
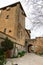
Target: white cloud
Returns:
[[4, 3], [28, 23]]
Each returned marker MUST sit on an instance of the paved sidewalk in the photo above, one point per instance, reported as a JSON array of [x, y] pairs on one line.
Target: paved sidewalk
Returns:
[[28, 59]]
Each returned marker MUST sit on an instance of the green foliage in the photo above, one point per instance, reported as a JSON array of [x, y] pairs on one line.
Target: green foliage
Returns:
[[1, 51], [22, 53], [2, 57], [7, 44], [40, 53]]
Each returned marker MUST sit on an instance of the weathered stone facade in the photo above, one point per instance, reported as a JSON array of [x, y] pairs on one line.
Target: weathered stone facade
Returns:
[[12, 22], [27, 34], [37, 44], [27, 37]]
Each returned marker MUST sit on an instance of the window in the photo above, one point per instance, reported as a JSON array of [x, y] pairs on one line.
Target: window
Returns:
[[5, 30], [7, 17], [10, 31]]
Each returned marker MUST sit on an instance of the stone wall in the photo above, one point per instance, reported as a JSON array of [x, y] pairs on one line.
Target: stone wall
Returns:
[[11, 18], [37, 44]]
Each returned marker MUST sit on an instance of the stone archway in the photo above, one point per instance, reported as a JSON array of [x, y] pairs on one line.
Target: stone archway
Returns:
[[29, 46]]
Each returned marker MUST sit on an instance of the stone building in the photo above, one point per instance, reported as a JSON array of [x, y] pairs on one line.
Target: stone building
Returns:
[[37, 44], [12, 22], [27, 36]]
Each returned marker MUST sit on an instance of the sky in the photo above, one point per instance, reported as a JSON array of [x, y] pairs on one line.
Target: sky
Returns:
[[34, 12]]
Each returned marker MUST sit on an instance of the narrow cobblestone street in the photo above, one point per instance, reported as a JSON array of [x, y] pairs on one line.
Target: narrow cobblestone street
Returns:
[[28, 59]]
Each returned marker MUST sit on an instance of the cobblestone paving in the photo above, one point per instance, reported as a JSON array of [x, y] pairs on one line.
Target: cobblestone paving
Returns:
[[28, 59]]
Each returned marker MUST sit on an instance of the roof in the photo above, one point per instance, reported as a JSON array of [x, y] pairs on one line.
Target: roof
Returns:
[[6, 3]]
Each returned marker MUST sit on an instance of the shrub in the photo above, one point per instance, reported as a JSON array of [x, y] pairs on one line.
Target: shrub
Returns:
[[22, 53], [2, 57], [7, 44]]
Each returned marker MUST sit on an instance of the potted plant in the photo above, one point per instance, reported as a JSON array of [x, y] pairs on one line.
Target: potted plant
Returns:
[[7, 46]]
